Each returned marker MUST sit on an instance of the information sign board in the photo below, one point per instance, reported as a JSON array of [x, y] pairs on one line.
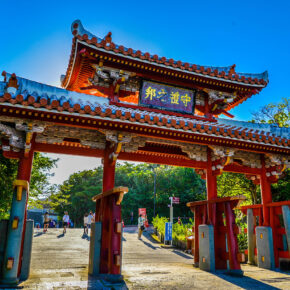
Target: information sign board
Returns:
[[175, 200], [142, 211], [167, 97], [168, 232]]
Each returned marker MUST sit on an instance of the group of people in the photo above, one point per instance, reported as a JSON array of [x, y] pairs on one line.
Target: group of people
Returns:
[[66, 222], [48, 222], [89, 218]]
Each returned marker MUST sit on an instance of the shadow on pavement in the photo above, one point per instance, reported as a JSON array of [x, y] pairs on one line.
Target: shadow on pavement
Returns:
[[95, 283], [182, 255], [60, 236], [147, 235], [86, 237], [245, 282], [149, 245], [123, 239], [38, 234]]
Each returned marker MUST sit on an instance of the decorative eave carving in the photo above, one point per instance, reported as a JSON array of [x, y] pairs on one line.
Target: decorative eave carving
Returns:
[[195, 152], [112, 78], [117, 139], [59, 134], [275, 166], [221, 157], [16, 139], [29, 128], [248, 159]]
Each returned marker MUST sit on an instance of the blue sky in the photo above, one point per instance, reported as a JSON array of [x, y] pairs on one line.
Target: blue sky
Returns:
[[255, 35]]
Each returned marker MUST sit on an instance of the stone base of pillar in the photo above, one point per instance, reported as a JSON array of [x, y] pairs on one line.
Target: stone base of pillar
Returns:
[[206, 248], [95, 249], [251, 237], [265, 256], [27, 249], [112, 278]]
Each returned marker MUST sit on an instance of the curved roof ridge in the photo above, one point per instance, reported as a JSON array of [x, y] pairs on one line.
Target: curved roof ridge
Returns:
[[106, 42], [27, 88], [267, 128]]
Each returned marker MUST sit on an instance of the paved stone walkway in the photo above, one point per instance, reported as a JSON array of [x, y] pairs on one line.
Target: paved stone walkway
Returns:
[[60, 262]]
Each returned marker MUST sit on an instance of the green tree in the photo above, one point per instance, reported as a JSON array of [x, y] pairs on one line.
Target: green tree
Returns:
[[38, 185], [277, 114], [281, 189], [75, 194], [233, 184]]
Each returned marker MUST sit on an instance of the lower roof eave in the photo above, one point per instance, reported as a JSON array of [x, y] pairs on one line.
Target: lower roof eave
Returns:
[[74, 119]]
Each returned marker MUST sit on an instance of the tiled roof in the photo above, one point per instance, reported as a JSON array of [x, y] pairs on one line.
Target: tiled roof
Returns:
[[33, 94], [222, 73]]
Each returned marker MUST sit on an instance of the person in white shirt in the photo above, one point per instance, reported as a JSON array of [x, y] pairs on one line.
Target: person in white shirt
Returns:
[[141, 226], [65, 220], [86, 224], [90, 219]]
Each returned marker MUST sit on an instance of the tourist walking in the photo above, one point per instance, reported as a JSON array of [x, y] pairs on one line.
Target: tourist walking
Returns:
[[141, 226], [46, 222], [90, 219], [65, 220], [86, 231]]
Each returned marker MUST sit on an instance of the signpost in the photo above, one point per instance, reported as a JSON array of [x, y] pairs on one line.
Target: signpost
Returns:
[[168, 226]]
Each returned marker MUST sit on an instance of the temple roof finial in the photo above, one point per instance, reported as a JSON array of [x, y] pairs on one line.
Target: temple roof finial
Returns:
[[108, 38]]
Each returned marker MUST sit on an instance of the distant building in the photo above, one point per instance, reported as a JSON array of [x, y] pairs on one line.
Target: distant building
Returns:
[[37, 215]]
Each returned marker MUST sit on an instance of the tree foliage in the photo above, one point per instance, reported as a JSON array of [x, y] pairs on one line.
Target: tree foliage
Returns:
[[230, 184], [75, 194], [233, 184], [39, 183], [277, 114]]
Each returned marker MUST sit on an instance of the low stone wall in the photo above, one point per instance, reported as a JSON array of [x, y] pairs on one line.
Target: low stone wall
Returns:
[[179, 244], [175, 242]]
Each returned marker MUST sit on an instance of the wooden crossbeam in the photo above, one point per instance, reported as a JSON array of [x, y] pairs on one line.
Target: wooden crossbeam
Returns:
[[121, 190]]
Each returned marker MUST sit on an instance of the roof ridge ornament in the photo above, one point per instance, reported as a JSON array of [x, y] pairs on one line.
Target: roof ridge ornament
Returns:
[[108, 38], [12, 83]]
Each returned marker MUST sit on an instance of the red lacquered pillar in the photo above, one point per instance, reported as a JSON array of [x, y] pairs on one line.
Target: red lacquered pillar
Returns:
[[265, 193], [211, 185], [110, 215]]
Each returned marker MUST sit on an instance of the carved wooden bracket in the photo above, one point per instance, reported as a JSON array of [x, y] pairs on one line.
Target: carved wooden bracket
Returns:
[[221, 157], [29, 128], [117, 139], [201, 172], [255, 178], [275, 166]]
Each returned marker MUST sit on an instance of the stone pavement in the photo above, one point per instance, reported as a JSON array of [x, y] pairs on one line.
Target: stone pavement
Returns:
[[61, 262]]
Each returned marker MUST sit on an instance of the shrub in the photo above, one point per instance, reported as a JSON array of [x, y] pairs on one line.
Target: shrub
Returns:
[[179, 231]]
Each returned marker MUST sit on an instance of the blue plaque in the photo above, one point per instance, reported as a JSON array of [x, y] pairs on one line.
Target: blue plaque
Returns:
[[164, 97], [168, 232]]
